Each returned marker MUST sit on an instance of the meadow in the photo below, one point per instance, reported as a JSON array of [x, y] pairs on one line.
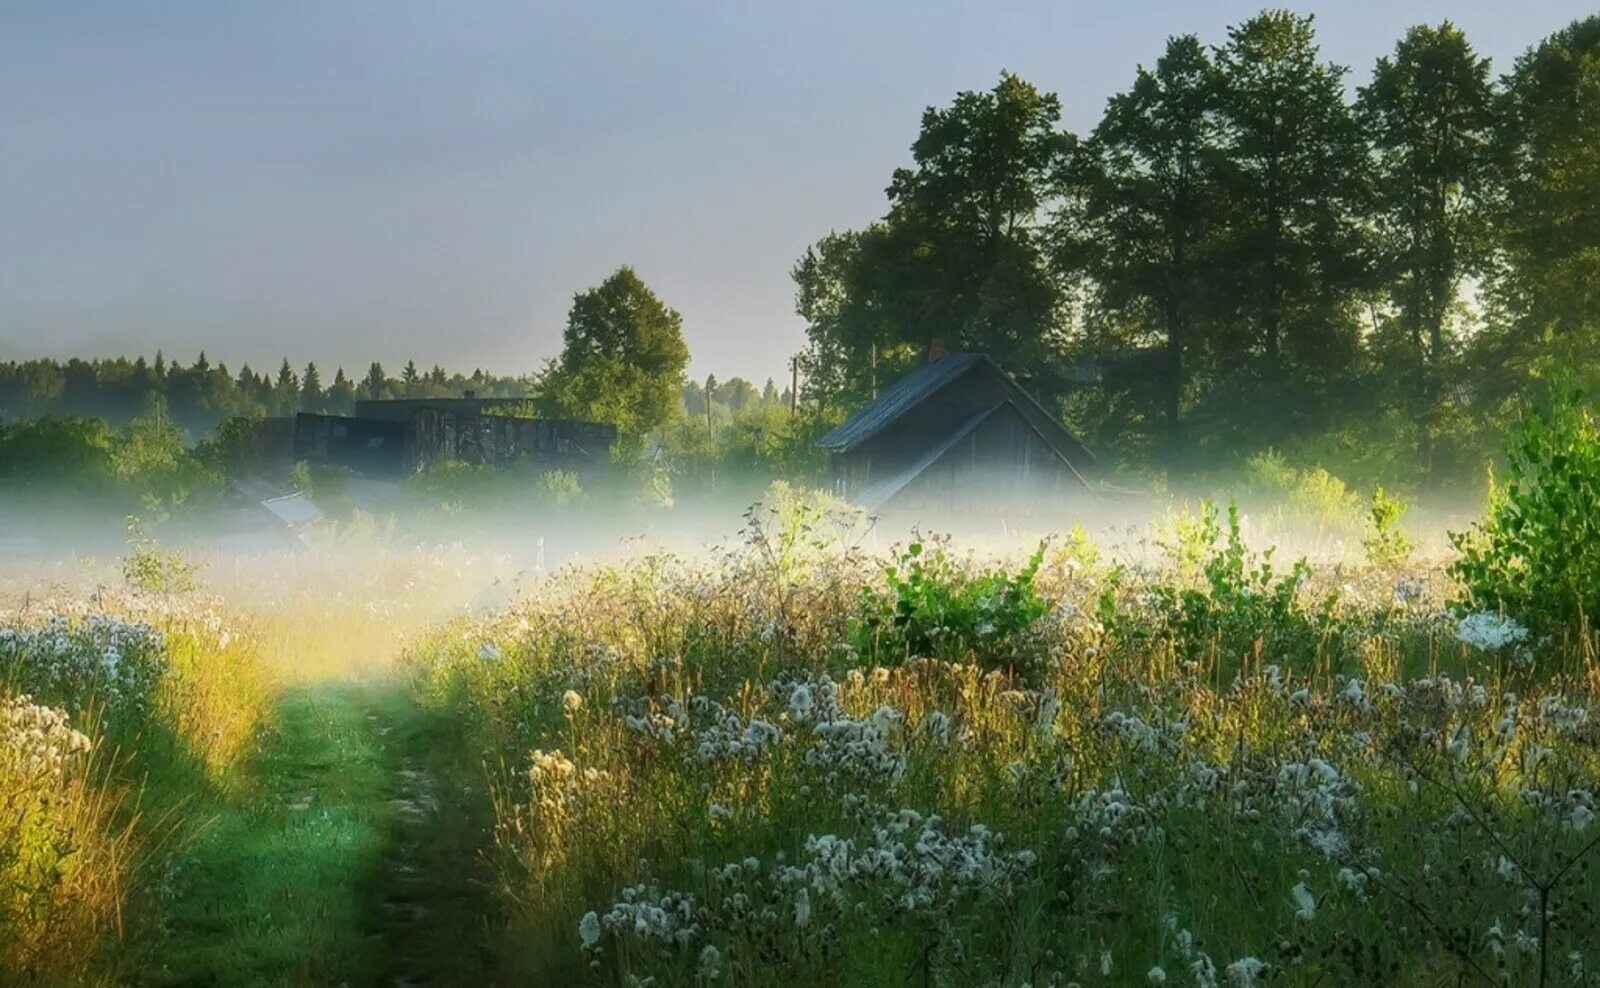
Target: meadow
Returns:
[[824, 751]]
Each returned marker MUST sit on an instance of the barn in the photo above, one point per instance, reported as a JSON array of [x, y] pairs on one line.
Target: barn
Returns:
[[956, 435]]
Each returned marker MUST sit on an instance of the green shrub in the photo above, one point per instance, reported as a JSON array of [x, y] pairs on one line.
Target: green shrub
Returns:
[[1223, 597], [561, 489], [1385, 541], [1536, 553], [933, 606], [148, 568]]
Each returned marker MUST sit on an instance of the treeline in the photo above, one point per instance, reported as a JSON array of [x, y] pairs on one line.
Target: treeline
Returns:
[[203, 394], [1240, 256]]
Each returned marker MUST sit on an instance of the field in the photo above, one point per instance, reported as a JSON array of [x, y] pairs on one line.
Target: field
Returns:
[[808, 755]]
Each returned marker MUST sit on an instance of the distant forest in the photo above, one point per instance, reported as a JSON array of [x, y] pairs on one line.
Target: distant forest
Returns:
[[1246, 254]]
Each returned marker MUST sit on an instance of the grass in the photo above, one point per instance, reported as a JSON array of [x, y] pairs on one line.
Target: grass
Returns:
[[302, 876]]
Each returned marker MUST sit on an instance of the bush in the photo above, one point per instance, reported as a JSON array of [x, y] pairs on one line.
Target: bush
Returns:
[[934, 607], [147, 568], [1224, 598], [1536, 553], [560, 489], [1385, 542]]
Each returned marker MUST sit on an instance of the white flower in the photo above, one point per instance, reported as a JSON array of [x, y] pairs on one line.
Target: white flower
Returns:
[[720, 811], [800, 702], [1245, 972], [589, 929], [710, 962], [802, 907], [1305, 901], [1490, 631], [572, 701], [1157, 976]]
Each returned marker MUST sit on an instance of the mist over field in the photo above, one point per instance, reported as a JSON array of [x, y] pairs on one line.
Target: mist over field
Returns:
[[1166, 549]]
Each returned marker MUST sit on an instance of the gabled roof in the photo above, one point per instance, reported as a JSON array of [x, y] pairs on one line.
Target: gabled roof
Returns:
[[926, 380], [897, 399], [878, 494]]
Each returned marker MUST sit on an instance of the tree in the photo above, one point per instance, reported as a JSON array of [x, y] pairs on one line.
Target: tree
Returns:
[[341, 397], [376, 381], [311, 396], [622, 358], [286, 392], [411, 380], [1291, 166], [1550, 286], [966, 219], [1145, 225], [1429, 115], [958, 258]]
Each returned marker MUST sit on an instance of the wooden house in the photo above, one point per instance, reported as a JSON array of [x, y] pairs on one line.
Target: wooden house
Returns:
[[956, 435]]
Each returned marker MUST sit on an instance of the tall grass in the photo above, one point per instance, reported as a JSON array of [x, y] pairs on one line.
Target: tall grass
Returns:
[[1214, 769]]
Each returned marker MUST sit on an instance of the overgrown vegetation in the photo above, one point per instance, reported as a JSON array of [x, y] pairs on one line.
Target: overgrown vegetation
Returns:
[[1537, 553], [1212, 771]]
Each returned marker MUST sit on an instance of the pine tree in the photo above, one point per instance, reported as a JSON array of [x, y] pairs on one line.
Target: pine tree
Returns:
[[311, 397]]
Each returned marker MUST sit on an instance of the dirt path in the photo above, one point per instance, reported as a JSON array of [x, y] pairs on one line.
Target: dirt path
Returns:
[[345, 858]]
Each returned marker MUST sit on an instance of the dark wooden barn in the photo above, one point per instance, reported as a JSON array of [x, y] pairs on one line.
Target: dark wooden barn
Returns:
[[390, 439], [956, 435]]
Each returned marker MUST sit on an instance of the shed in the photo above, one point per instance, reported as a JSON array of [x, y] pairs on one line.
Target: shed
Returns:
[[956, 434]]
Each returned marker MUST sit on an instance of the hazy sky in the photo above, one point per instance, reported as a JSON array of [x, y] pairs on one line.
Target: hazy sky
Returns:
[[343, 180]]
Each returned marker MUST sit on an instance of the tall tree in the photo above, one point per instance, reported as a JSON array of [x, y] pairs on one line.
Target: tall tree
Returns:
[[1429, 115], [1145, 223], [622, 358], [959, 256], [376, 381], [1292, 165], [1551, 224], [311, 397], [286, 391], [341, 396], [967, 217]]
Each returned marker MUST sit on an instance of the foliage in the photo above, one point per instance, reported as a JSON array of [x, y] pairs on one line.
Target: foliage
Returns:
[[559, 489], [1429, 115], [932, 607], [1536, 553], [1549, 109], [1333, 801], [622, 360], [958, 258], [1225, 601], [1385, 542], [148, 568]]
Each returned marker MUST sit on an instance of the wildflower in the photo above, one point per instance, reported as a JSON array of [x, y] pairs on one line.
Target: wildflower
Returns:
[[800, 702], [802, 907], [710, 962], [720, 811], [1490, 631], [1156, 976], [1305, 902], [1246, 972], [571, 701], [589, 929]]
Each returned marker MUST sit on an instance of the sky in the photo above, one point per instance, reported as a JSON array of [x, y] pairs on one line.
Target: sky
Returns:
[[349, 180]]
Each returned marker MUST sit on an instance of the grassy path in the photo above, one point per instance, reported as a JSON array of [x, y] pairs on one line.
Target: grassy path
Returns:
[[344, 859]]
